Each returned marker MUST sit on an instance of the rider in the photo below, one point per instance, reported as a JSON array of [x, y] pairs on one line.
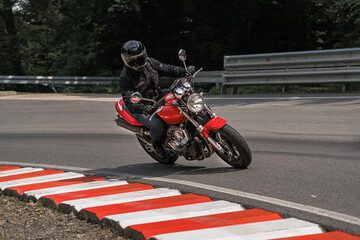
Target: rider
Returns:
[[141, 74]]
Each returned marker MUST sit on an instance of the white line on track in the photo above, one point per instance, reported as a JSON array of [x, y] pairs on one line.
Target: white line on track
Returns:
[[314, 210]]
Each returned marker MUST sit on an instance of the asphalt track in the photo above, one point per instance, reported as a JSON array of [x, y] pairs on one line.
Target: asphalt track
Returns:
[[305, 150]]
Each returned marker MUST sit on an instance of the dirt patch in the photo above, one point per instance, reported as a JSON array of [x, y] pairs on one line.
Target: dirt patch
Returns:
[[7, 93], [22, 220]]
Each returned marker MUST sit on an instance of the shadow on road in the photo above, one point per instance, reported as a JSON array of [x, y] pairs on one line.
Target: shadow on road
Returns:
[[160, 170]]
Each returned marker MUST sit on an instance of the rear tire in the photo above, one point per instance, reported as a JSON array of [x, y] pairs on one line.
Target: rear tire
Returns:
[[235, 150], [149, 149]]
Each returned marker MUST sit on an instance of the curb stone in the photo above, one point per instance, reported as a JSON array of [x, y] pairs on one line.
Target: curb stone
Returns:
[[142, 211]]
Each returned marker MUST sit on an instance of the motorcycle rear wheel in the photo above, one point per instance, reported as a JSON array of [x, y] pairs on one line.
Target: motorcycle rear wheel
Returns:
[[235, 150], [149, 149]]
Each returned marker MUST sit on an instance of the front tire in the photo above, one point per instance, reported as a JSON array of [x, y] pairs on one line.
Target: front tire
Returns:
[[234, 149], [149, 149]]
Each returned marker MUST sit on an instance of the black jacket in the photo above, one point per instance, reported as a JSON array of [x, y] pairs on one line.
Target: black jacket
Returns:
[[146, 82]]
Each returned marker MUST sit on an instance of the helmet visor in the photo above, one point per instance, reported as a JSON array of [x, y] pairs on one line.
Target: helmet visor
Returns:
[[137, 61]]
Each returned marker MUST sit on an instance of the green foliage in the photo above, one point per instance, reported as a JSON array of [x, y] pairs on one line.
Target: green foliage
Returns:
[[214, 91], [345, 22], [259, 89], [40, 204], [106, 89], [316, 88]]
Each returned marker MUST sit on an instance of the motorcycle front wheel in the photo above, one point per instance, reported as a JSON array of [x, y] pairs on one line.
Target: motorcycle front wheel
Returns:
[[149, 149], [234, 149]]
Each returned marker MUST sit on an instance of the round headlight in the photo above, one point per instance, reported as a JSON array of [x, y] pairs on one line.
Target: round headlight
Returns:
[[179, 92], [195, 103]]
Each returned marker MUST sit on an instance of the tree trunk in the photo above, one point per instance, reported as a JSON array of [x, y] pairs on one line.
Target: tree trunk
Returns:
[[12, 38]]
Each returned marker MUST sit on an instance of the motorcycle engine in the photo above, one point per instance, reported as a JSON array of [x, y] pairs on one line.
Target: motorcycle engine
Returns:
[[180, 143], [176, 138]]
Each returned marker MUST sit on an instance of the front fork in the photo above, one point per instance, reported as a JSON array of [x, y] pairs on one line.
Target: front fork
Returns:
[[215, 144], [214, 124]]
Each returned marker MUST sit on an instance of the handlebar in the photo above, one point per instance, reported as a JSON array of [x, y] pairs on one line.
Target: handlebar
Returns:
[[189, 77], [174, 84], [197, 72], [160, 103]]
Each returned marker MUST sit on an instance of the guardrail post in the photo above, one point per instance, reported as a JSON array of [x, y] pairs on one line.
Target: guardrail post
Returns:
[[51, 86], [345, 87], [223, 89], [234, 90], [285, 88]]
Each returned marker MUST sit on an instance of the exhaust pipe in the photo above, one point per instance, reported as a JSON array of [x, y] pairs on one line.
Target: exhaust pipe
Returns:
[[124, 124]]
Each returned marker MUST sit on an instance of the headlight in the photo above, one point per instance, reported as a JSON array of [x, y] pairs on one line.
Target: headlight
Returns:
[[195, 103], [179, 92], [187, 85]]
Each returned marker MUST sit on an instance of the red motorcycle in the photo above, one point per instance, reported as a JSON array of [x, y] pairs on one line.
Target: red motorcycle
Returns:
[[194, 131]]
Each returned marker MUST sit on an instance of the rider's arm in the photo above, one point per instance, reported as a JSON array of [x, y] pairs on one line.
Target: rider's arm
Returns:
[[167, 69], [126, 91]]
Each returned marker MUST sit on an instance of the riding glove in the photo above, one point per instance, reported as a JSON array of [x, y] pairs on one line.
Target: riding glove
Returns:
[[149, 109], [191, 70]]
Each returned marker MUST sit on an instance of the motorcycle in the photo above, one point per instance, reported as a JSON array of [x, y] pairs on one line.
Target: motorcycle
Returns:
[[194, 130]]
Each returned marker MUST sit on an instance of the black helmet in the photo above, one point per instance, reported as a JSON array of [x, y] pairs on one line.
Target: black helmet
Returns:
[[134, 55]]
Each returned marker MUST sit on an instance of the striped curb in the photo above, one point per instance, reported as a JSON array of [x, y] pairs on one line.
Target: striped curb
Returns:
[[66, 198], [140, 211], [97, 213], [34, 194]]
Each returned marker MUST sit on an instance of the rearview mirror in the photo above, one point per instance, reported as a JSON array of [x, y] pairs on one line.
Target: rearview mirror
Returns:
[[136, 97], [182, 55]]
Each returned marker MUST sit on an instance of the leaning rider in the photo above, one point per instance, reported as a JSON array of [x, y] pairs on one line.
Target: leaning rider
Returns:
[[141, 74]]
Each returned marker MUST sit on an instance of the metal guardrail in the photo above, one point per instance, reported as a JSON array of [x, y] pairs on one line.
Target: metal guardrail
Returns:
[[202, 77], [210, 77], [306, 67], [51, 81], [47, 80]]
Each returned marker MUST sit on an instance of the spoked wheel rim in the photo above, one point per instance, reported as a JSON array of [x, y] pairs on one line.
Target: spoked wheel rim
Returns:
[[228, 152]]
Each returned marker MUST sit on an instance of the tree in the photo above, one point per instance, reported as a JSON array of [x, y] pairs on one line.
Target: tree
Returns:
[[343, 26], [11, 41], [84, 37]]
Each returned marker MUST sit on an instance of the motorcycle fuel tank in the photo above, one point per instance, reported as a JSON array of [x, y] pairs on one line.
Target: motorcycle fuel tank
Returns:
[[171, 114]]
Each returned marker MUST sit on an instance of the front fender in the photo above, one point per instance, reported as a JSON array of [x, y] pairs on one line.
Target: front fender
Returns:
[[214, 124]]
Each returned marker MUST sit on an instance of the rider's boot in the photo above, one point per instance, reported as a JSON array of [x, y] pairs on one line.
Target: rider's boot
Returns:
[[159, 150]]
